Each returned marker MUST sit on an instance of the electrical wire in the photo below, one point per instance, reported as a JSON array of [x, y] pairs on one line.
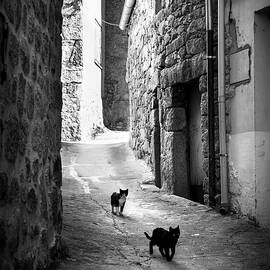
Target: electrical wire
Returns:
[[112, 24], [109, 23]]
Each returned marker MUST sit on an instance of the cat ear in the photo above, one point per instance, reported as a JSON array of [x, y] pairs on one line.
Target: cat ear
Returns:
[[121, 190]]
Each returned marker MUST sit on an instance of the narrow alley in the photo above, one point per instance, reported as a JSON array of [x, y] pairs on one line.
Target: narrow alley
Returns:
[[99, 240], [166, 98]]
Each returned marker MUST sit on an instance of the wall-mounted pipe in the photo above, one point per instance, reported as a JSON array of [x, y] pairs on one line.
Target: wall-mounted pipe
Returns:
[[126, 13], [221, 110], [211, 113]]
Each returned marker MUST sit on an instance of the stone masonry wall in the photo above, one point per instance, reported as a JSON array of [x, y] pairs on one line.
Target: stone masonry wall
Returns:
[[30, 131], [166, 51], [115, 97], [71, 69]]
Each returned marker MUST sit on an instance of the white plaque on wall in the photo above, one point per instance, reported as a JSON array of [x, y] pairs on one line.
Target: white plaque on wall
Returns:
[[240, 66]]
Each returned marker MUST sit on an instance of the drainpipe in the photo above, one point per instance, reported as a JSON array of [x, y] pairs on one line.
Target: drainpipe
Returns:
[[126, 13], [221, 110], [211, 114]]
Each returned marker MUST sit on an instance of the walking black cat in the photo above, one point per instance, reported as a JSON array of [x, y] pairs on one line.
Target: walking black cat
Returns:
[[165, 240], [119, 200]]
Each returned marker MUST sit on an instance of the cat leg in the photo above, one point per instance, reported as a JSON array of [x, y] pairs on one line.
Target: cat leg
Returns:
[[167, 252], [117, 210], [113, 210], [151, 247], [173, 252], [121, 209], [161, 252]]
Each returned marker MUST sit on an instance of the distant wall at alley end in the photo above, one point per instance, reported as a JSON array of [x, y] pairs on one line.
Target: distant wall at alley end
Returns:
[[115, 92]]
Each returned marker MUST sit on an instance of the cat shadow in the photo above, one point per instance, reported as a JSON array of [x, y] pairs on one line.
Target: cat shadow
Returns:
[[171, 264], [129, 218]]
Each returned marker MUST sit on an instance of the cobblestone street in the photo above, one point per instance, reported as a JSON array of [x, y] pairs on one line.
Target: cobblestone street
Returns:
[[99, 240]]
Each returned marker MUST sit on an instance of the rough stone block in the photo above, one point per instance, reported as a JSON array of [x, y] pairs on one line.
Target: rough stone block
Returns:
[[196, 26], [175, 119], [38, 38], [174, 97], [13, 231], [14, 191], [184, 71], [31, 201], [3, 187], [9, 7], [3, 236], [36, 168], [54, 202], [37, 139], [174, 163], [41, 13], [40, 107], [171, 59], [30, 101], [12, 139], [31, 29], [13, 50], [57, 172], [33, 67], [176, 44], [20, 96], [203, 84], [205, 144], [24, 19], [154, 118], [204, 104], [180, 164], [195, 45], [34, 231], [25, 57], [43, 205], [45, 48]]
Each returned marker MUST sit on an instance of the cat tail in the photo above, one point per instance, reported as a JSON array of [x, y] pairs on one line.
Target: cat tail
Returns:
[[148, 237]]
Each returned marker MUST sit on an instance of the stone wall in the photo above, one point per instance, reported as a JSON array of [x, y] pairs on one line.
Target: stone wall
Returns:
[[165, 54], [30, 131], [115, 93], [71, 69]]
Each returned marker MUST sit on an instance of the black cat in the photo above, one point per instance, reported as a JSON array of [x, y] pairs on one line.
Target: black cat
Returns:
[[119, 200], [165, 240]]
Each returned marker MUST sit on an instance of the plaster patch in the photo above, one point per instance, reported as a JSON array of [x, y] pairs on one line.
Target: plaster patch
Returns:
[[239, 66]]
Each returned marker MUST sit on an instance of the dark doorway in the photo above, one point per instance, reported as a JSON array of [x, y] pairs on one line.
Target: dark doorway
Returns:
[[196, 173], [156, 142]]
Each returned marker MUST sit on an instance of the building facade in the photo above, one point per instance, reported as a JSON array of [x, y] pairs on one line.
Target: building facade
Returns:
[[72, 66], [248, 107], [81, 70], [166, 74], [167, 81]]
